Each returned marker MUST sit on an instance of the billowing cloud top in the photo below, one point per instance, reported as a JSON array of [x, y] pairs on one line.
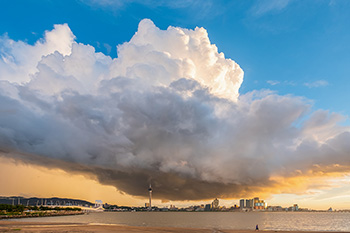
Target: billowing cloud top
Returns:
[[166, 111]]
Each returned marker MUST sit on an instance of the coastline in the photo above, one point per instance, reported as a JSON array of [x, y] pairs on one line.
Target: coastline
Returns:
[[38, 227], [41, 214]]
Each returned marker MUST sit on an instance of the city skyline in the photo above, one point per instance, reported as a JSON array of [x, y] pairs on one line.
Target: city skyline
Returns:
[[245, 205], [241, 99]]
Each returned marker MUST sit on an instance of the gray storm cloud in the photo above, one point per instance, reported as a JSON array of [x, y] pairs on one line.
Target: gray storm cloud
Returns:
[[167, 110]]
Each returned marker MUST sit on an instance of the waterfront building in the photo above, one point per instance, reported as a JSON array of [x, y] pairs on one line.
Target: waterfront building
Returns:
[[258, 204], [207, 207], [256, 200], [275, 208], [241, 204], [295, 207], [215, 204], [249, 203]]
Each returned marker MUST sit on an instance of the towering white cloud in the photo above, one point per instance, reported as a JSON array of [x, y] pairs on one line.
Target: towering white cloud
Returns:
[[161, 57], [167, 110], [19, 60]]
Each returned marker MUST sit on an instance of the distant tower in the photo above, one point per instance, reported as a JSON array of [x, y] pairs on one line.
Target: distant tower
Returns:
[[150, 197]]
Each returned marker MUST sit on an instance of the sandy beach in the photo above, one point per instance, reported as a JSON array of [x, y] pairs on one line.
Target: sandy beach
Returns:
[[11, 226]]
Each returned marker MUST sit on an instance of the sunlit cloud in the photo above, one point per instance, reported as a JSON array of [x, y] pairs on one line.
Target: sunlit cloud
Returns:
[[168, 111]]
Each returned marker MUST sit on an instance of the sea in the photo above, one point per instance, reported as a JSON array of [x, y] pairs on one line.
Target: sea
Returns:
[[279, 221]]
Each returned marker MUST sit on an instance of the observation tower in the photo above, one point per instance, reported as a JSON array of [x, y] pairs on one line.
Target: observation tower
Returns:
[[150, 197]]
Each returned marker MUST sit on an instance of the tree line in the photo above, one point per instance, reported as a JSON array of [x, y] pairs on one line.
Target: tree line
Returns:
[[21, 208]]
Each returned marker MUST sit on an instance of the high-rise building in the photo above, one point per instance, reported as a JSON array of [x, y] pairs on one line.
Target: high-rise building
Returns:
[[249, 203], [207, 207], [295, 207], [255, 200], [215, 204], [241, 204], [258, 204]]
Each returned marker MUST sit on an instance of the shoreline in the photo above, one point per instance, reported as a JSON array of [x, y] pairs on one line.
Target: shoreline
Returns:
[[38, 227], [39, 214]]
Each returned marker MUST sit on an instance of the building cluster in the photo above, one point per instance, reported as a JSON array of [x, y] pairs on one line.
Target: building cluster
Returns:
[[252, 204], [213, 206], [257, 204], [295, 207]]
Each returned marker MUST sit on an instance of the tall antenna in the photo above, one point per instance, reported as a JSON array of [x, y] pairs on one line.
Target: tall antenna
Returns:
[[150, 197]]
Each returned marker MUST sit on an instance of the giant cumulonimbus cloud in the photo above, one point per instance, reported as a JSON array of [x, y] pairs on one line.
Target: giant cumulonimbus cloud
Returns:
[[167, 110]]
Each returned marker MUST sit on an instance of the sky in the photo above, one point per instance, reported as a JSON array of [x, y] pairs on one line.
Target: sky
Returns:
[[204, 99]]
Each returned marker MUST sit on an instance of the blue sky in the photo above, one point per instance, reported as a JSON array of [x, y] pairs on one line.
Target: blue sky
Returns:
[[292, 47]]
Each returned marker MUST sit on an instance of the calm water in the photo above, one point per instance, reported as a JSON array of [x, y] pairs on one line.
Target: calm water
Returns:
[[218, 220]]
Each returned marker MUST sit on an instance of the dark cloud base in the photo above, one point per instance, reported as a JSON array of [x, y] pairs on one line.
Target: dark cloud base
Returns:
[[166, 186]]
